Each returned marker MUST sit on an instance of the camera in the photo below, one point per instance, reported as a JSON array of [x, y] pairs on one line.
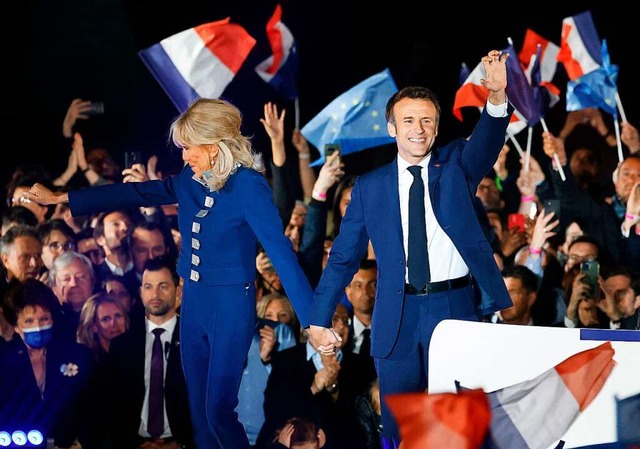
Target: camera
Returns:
[[96, 108]]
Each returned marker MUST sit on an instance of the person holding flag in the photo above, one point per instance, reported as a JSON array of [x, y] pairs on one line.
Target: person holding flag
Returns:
[[434, 260]]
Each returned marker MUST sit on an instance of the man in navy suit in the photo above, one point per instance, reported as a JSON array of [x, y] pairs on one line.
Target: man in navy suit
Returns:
[[129, 366], [458, 261]]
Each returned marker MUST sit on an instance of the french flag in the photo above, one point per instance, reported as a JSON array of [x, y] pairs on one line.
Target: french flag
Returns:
[[199, 62], [579, 45], [444, 420], [547, 64], [548, 55], [535, 414], [473, 94], [280, 70]]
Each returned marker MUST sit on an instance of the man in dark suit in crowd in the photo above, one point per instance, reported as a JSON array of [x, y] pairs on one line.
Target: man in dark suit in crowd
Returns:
[[130, 365], [423, 277]]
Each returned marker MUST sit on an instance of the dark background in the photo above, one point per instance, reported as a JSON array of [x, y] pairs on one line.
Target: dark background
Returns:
[[88, 49]]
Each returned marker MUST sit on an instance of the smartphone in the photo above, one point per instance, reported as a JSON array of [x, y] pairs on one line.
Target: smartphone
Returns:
[[97, 108], [552, 206], [516, 221], [132, 157], [591, 270], [262, 322], [331, 148]]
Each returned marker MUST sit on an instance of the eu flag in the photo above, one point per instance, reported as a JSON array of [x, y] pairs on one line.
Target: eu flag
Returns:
[[355, 120]]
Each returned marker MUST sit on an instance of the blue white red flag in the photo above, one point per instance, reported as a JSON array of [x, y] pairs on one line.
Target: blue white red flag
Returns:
[[547, 63], [356, 119], [579, 45], [280, 70], [199, 62], [536, 413]]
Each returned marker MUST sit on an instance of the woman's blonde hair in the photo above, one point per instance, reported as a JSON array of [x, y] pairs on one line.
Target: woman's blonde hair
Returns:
[[216, 122], [87, 328]]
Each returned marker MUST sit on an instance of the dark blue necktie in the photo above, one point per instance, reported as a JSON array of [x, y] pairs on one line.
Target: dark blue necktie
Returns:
[[365, 346], [155, 423], [418, 259]]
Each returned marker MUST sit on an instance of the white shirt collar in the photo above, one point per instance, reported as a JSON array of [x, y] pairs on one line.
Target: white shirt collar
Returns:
[[358, 327], [116, 269], [404, 165], [168, 326]]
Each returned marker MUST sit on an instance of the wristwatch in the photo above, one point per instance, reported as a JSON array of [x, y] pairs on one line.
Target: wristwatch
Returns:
[[332, 389]]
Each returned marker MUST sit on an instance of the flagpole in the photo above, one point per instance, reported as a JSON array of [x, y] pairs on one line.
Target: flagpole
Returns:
[[555, 155], [516, 144], [616, 125], [296, 105], [619, 103], [528, 153]]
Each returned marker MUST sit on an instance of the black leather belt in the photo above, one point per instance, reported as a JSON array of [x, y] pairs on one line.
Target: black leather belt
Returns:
[[437, 287]]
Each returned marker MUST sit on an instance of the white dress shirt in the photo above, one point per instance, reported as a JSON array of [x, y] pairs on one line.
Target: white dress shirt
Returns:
[[445, 262], [358, 328]]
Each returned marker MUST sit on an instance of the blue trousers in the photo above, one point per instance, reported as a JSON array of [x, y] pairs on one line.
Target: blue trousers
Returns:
[[406, 369], [216, 328]]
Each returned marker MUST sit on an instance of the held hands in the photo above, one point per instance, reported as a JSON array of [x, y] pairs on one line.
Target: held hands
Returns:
[[495, 67], [324, 339]]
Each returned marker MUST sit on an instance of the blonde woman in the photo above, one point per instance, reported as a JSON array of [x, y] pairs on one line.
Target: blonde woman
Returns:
[[102, 318], [225, 206]]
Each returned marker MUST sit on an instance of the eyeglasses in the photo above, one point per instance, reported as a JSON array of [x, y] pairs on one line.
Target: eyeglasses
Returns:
[[58, 247]]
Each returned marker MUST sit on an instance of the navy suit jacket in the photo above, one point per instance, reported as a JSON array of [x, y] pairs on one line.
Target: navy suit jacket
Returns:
[[455, 171], [243, 214], [125, 374]]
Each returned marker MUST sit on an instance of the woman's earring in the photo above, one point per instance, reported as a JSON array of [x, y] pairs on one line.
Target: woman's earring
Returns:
[[213, 161]]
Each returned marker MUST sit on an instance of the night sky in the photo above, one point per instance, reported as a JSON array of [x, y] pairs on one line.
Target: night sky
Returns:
[[88, 49]]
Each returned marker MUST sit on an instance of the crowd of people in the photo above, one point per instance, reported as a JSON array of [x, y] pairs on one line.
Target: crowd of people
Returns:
[[109, 273]]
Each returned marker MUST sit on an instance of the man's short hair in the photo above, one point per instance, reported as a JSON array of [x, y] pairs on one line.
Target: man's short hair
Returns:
[[160, 263]]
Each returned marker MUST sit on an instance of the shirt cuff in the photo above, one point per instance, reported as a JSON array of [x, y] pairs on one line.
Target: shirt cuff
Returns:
[[499, 110]]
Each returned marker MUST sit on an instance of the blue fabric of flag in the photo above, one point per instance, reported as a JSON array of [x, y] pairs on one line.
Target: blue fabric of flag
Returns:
[[596, 89], [355, 120], [519, 91]]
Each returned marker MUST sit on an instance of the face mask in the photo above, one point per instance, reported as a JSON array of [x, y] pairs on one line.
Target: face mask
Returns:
[[38, 337]]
